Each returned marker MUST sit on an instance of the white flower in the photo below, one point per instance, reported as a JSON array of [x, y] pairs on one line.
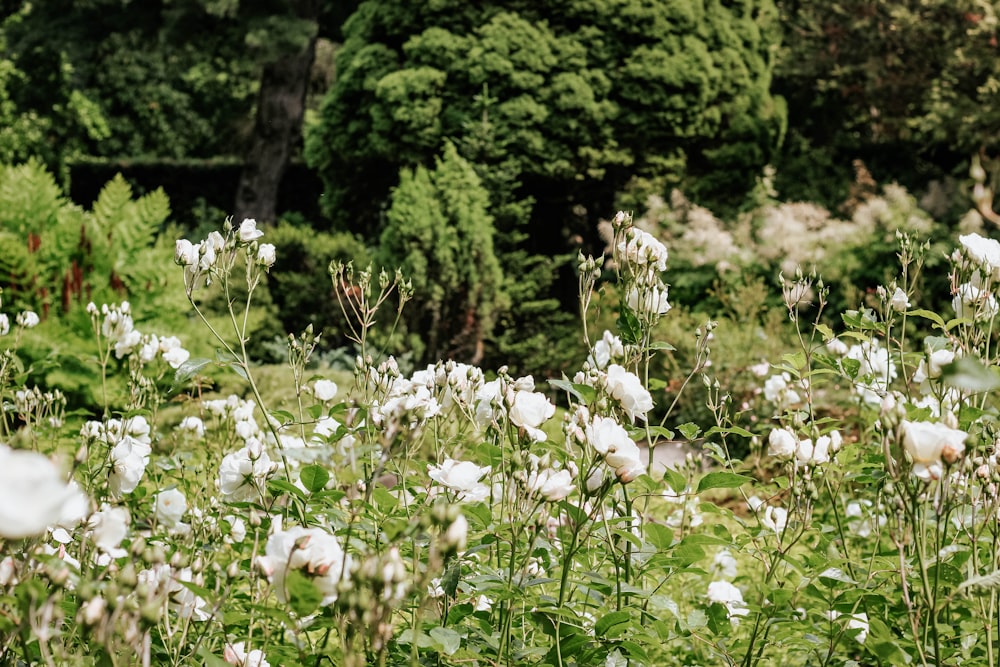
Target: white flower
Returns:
[[236, 654], [552, 485], [648, 300], [4, 324], [609, 347], [462, 477], [781, 443], [724, 593], [249, 231], [33, 494], [314, 552], [620, 452], [931, 367], [899, 302], [810, 453], [27, 319], [266, 255], [192, 424], [974, 303], [642, 249], [237, 528], [984, 252], [529, 411], [324, 390], [927, 443], [169, 507], [108, 528], [777, 390], [173, 353], [185, 253], [725, 563], [836, 347], [627, 389], [128, 459], [242, 475], [457, 535]]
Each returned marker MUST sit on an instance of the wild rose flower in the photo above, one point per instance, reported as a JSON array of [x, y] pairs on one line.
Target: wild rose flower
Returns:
[[129, 459], [728, 595], [324, 390], [169, 507], [462, 477], [4, 324], [552, 485], [108, 527], [236, 654], [649, 301], [927, 443], [242, 474], [173, 353], [609, 347], [809, 453], [778, 391], [782, 443], [984, 252], [314, 552], [27, 319], [930, 368], [33, 494], [185, 253], [974, 303], [899, 302], [642, 249], [266, 255], [193, 425], [725, 564], [627, 389], [248, 231], [620, 453], [529, 411]]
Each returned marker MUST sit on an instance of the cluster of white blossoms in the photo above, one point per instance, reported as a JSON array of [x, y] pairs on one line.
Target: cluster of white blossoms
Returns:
[[26, 319], [805, 452], [462, 478], [130, 445], [642, 259], [115, 324], [201, 260], [975, 299], [875, 368]]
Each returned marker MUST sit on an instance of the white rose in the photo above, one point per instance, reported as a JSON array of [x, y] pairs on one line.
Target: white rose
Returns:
[[27, 319], [235, 654], [457, 475], [529, 411], [324, 390], [781, 443], [169, 507], [193, 424], [927, 443], [108, 528], [984, 252], [4, 324], [627, 389], [128, 463], [725, 593], [313, 551], [249, 231], [899, 302], [973, 303], [266, 255], [33, 494], [241, 476], [648, 300], [552, 485], [185, 253]]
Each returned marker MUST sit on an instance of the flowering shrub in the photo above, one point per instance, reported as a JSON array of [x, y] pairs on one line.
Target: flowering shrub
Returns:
[[449, 515]]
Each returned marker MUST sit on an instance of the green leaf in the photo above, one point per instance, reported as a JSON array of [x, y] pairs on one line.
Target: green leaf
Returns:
[[722, 480], [689, 430], [629, 327], [583, 393], [970, 374], [851, 367], [314, 477], [677, 481], [928, 315], [451, 576], [303, 596], [662, 345], [609, 621], [446, 640], [188, 370]]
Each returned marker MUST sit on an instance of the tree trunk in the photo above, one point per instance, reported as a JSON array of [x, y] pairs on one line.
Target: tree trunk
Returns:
[[278, 128]]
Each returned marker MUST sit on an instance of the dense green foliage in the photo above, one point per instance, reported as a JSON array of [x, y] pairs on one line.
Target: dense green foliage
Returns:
[[440, 234], [581, 98]]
